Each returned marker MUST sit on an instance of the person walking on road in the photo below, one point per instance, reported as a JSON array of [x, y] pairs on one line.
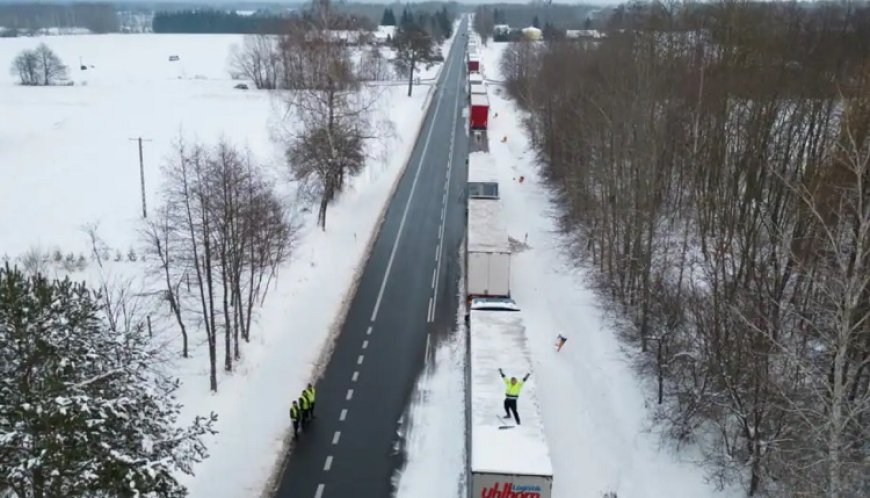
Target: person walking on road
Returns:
[[512, 393], [309, 394], [303, 416], [295, 416]]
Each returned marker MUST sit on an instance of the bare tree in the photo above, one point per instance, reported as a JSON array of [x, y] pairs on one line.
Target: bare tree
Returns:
[[50, 66], [259, 60], [223, 224], [26, 67], [484, 21], [373, 65], [161, 237], [334, 112]]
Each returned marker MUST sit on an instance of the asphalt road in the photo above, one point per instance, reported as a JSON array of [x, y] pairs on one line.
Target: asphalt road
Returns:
[[407, 296]]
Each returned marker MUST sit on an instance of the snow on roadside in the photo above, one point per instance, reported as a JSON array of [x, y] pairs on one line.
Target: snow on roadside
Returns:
[[593, 403], [435, 424]]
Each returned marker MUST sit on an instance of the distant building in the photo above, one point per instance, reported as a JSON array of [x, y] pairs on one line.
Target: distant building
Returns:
[[384, 34], [532, 33], [584, 34]]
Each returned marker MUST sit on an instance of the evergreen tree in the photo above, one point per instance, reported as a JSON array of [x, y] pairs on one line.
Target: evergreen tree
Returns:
[[445, 23], [407, 19], [82, 411], [414, 47], [389, 18]]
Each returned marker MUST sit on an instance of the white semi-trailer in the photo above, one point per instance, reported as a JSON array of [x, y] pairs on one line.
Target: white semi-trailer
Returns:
[[488, 251], [483, 176], [505, 460]]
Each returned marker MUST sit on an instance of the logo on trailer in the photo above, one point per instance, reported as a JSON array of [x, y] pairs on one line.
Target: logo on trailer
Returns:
[[508, 490]]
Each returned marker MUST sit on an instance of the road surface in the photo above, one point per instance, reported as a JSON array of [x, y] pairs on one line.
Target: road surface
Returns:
[[407, 294]]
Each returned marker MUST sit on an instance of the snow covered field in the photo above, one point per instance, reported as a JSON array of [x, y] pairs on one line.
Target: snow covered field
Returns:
[[593, 404], [66, 161]]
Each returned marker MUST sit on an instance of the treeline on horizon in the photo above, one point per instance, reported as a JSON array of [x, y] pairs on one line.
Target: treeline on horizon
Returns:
[[28, 17], [435, 15], [218, 21]]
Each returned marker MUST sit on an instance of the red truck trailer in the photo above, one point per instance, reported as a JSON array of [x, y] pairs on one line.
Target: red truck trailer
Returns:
[[479, 112], [473, 64]]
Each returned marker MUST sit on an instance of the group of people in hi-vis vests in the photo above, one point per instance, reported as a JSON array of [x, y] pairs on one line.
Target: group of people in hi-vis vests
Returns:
[[302, 410], [513, 386]]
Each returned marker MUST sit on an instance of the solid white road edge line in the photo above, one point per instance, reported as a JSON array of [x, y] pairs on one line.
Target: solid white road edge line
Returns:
[[410, 197]]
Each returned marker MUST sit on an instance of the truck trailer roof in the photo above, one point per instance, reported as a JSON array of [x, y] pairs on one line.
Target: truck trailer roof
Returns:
[[498, 340], [486, 228], [482, 167], [479, 100], [478, 89]]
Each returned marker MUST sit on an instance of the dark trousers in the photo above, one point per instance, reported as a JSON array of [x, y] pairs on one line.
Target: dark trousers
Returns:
[[311, 411], [510, 405], [304, 417], [296, 428]]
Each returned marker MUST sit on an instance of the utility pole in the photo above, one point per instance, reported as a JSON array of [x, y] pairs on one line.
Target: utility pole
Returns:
[[142, 173]]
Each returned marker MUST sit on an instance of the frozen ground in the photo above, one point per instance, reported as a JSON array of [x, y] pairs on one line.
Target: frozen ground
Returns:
[[65, 152], [65, 160], [593, 404]]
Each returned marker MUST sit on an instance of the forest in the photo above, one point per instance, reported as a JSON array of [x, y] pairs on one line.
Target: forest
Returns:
[[27, 17], [711, 167]]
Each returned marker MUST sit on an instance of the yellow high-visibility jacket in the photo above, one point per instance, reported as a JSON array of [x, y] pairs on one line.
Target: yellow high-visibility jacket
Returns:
[[513, 390], [309, 394]]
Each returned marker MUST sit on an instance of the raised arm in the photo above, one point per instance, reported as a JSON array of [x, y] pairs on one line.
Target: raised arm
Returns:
[[527, 376], [500, 372]]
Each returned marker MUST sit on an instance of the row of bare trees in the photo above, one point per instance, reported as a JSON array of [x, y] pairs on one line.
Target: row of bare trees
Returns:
[[325, 85], [713, 165], [217, 240]]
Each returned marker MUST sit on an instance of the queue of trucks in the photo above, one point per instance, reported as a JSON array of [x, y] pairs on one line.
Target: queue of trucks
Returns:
[[478, 115], [504, 460]]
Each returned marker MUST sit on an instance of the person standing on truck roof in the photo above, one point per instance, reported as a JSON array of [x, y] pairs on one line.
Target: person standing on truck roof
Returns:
[[512, 393], [309, 393]]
